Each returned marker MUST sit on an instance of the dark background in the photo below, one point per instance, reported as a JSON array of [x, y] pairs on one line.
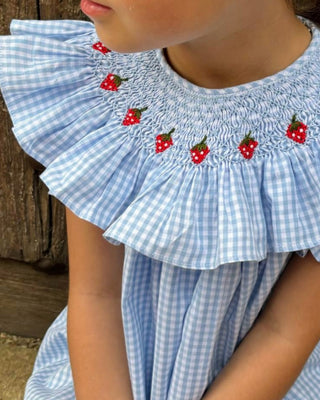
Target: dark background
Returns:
[[33, 242]]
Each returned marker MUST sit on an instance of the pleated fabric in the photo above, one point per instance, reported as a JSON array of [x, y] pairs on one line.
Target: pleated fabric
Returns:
[[207, 227]]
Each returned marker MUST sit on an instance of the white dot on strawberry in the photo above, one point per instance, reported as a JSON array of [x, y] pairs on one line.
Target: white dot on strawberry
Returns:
[[132, 119], [301, 130], [130, 114], [248, 153], [196, 157], [293, 134], [193, 154], [166, 144], [159, 141], [201, 152], [160, 147]]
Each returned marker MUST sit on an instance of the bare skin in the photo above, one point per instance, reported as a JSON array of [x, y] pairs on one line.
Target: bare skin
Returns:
[[213, 44], [94, 324]]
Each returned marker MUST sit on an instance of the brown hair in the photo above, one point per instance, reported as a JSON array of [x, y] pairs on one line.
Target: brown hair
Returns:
[[306, 8]]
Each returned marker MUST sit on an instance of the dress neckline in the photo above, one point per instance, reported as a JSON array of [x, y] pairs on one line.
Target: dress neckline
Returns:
[[301, 62]]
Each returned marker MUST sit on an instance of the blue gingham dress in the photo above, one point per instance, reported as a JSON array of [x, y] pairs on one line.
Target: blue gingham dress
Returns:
[[205, 238]]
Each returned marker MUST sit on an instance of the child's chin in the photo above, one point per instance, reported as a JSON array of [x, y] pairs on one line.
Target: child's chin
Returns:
[[119, 46]]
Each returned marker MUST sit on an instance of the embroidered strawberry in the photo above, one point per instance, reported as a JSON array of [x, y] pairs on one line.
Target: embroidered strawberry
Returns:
[[297, 130], [133, 116], [112, 82], [164, 141], [100, 47], [199, 151], [247, 146]]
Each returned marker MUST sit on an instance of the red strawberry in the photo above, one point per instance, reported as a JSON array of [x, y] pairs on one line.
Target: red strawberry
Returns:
[[112, 82], [296, 130], [133, 116], [100, 47], [247, 146], [164, 141], [199, 151]]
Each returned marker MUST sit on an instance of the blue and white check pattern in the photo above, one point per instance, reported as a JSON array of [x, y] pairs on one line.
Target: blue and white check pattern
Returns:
[[204, 243], [181, 326]]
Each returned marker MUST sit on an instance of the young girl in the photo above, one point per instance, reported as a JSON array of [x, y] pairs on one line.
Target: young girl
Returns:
[[183, 138]]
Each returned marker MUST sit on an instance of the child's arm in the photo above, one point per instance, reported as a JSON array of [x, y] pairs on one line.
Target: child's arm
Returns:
[[95, 333], [273, 353]]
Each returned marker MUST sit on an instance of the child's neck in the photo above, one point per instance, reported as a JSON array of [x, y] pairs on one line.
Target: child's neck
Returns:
[[239, 54]]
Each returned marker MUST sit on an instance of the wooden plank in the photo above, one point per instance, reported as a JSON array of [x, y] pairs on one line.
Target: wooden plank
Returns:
[[29, 300], [14, 171], [19, 9], [32, 224], [57, 9]]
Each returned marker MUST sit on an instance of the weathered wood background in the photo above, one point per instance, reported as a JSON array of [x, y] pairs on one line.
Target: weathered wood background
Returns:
[[32, 224], [33, 242]]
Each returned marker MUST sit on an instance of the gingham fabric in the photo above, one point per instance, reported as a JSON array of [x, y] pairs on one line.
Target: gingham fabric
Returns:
[[204, 241]]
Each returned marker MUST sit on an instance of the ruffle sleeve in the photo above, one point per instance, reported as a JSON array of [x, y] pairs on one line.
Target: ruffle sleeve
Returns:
[[196, 216]]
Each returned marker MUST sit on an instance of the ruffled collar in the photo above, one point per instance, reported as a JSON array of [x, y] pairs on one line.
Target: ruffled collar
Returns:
[[119, 135]]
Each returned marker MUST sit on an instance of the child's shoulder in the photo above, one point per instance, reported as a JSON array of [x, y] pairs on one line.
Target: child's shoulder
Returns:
[[191, 176]]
